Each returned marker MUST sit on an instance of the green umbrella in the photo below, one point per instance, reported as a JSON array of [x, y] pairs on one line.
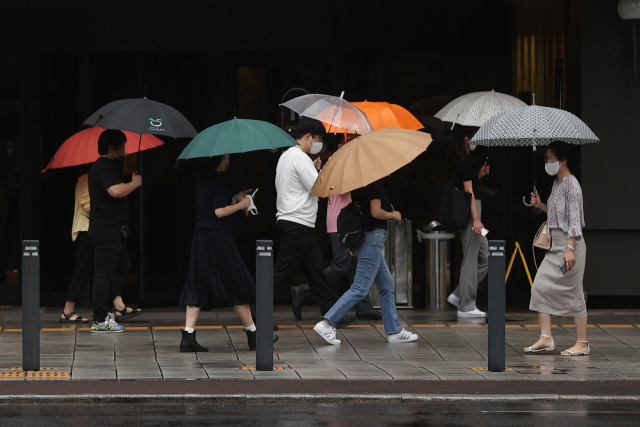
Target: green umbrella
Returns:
[[237, 136]]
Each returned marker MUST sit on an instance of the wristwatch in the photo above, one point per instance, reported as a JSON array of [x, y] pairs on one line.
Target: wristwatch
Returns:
[[570, 247]]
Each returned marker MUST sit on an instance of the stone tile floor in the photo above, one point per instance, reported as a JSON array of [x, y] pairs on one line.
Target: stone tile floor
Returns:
[[448, 349]]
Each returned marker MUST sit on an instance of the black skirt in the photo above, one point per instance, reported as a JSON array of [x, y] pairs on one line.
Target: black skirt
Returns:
[[217, 277]]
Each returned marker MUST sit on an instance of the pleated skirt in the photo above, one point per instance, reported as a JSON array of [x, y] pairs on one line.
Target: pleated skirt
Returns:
[[554, 292], [218, 277]]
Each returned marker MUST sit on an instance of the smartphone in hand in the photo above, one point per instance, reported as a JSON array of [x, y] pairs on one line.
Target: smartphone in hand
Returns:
[[563, 267]]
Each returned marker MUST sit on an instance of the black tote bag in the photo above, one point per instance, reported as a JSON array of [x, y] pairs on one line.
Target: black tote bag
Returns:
[[455, 206]]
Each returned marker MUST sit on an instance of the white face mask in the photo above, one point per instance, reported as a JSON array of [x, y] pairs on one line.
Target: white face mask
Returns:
[[552, 168], [472, 147], [316, 147]]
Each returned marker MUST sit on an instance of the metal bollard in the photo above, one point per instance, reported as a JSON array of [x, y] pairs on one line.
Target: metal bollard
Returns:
[[496, 312], [264, 305], [30, 305]]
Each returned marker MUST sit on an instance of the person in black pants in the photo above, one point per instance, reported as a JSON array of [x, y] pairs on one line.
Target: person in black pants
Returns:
[[296, 217], [80, 280], [109, 226]]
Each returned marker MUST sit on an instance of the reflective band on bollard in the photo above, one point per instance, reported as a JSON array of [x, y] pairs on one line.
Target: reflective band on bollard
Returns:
[[496, 312], [264, 305], [30, 305]]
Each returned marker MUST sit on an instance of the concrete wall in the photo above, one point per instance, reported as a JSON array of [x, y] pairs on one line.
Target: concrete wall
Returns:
[[610, 105]]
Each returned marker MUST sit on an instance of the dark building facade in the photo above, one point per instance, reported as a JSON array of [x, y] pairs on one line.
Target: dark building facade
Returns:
[[59, 62]]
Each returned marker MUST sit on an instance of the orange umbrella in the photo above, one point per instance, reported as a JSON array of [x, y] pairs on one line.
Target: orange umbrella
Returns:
[[383, 115], [369, 158], [82, 147]]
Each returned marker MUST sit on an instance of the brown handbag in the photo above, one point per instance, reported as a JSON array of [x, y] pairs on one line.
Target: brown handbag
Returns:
[[542, 240]]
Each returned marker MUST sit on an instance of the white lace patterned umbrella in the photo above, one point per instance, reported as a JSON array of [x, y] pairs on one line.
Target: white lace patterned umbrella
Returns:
[[333, 110], [532, 126], [474, 109]]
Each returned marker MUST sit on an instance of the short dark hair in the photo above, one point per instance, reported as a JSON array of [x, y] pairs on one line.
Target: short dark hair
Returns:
[[308, 125], [455, 140], [564, 152], [205, 166], [110, 138]]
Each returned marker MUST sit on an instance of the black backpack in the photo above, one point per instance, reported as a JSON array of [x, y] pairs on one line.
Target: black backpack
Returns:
[[350, 226]]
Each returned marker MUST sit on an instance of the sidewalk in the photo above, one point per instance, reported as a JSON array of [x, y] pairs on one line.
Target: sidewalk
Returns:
[[447, 350]]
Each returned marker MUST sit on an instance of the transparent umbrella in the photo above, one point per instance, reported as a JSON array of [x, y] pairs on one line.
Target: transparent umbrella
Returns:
[[333, 110]]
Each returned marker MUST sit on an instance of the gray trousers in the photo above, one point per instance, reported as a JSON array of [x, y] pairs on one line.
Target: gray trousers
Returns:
[[475, 265], [339, 274]]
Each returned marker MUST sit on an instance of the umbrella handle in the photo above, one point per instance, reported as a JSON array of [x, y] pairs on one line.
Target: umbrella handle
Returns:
[[246, 211], [524, 198]]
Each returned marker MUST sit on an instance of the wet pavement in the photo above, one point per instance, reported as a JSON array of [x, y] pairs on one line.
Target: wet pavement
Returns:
[[566, 414], [448, 349]]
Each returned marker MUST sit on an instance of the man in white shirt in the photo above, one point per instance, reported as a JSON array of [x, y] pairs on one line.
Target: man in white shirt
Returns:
[[296, 217]]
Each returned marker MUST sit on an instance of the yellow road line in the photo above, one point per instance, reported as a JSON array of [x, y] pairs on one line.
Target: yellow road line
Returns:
[[616, 326], [466, 326], [430, 326]]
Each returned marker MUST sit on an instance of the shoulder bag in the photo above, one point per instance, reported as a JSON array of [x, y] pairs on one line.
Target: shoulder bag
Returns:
[[455, 205], [541, 240]]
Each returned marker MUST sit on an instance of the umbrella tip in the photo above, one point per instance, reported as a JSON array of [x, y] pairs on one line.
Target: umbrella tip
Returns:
[[534, 99], [342, 95]]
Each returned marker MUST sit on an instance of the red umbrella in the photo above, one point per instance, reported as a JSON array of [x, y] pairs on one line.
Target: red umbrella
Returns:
[[82, 147]]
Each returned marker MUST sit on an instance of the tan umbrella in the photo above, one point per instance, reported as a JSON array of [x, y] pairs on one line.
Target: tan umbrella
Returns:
[[369, 158]]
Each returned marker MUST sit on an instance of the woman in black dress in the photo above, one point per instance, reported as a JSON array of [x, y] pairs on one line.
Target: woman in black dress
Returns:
[[217, 277]]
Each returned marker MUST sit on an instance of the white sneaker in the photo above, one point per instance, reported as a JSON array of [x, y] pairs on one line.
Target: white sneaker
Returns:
[[473, 313], [453, 300], [402, 336], [327, 332]]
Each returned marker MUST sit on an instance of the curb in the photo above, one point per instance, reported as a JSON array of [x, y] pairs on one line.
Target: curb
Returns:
[[302, 398]]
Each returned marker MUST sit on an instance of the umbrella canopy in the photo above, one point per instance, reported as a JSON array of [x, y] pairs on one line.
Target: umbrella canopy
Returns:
[[531, 126], [143, 116], [383, 115], [474, 109], [237, 136], [336, 111], [82, 147], [369, 158]]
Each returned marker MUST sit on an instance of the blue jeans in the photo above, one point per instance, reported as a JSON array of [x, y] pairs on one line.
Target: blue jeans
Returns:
[[371, 267]]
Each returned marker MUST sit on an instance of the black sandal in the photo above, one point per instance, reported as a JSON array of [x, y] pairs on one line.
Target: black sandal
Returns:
[[125, 316], [67, 318]]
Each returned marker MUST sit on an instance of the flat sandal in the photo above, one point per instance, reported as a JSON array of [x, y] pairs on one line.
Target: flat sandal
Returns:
[[551, 347], [582, 353]]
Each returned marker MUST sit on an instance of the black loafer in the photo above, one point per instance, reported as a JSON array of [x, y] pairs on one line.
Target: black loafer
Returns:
[[346, 321], [296, 303]]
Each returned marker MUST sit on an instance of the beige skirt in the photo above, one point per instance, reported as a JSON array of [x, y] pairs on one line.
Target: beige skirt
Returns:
[[556, 293]]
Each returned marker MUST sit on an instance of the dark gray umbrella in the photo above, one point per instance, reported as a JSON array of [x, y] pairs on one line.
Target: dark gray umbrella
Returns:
[[142, 115]]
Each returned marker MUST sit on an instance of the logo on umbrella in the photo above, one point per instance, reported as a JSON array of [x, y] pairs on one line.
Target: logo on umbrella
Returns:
[[155, 124]]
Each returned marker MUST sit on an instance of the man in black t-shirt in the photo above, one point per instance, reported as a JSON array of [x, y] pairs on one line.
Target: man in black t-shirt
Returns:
[[109, 226]]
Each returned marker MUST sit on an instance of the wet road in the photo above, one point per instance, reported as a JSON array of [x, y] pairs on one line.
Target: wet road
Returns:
[[567, 414]]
